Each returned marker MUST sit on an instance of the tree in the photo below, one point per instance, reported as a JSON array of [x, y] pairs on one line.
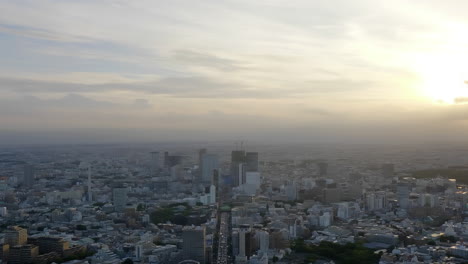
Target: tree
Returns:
[[127, 261], [80, 227]]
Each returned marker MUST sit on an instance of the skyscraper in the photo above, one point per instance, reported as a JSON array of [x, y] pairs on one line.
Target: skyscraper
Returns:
[[241, 174], [264, 238], [237, 157], [403, 193], [251, 160], [215, 179], [201, 152], [209, 164]]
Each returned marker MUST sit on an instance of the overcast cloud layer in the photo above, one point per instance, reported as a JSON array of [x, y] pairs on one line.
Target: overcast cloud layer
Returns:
[[113, 70]]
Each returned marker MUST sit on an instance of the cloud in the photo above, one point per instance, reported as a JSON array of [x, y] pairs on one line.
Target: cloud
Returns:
[[207, 60], [32, 32], [188, 87]]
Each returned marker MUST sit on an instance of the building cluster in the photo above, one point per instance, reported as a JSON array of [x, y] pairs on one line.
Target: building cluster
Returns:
[[114, 204]]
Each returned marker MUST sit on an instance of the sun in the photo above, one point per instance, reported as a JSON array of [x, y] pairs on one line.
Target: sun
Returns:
[[444, 79]]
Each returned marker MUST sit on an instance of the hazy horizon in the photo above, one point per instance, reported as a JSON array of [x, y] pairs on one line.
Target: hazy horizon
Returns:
[[312, 71]]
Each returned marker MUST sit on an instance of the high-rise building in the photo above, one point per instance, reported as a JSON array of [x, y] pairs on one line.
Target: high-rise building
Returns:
[[376, 201], [403, 192], [242, 256], [215, 179], [213, 194], [241, 174], [201, 152], [28, 176], [237, 157], [264, 238], [251, 160], [154, 163], [119, 196], [194, 243], [209, 164], [16, 235]]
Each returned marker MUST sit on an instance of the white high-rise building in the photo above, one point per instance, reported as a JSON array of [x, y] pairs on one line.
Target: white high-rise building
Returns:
[[264, 242], [376, 201], [343, 210], [3, 211], [403, 192], [325, 219], [253, 177], [212, 194]]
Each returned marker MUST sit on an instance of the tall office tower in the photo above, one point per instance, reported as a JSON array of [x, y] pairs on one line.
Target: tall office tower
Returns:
[[28, 177], [242, 174], [194, 243], [213, 194], [237, 157], [90, 193], [215, 179], [251, 160], [264, 242], [209, 164], [154, 163], [403, 192], [119, 196], [16, 235], [323, 168], [242, 257], [201, 152], [388, 170]]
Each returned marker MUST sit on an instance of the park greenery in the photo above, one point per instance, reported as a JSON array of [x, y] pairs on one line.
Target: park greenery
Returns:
[[172, 213], [340, 254]]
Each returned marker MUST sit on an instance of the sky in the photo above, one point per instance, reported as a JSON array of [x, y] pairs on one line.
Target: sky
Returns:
[[312, 71]]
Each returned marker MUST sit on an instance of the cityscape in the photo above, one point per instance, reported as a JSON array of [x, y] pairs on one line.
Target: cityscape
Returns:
[[233, 132], [233, 203]]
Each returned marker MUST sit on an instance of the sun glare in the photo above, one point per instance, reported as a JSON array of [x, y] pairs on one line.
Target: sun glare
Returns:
[[444, 79]]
